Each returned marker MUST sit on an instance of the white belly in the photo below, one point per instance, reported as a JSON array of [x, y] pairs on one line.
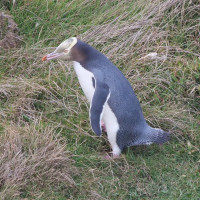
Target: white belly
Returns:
[[112, 127], [85, 80]]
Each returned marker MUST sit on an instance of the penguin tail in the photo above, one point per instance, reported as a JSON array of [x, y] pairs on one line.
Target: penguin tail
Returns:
[[160, 136], [151, 135]]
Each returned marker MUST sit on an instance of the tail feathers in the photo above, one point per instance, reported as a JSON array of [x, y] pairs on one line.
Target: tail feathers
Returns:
[[151, 135], [160, 136]]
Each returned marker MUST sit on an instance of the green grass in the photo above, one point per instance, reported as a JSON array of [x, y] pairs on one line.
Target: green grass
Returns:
[[36, 95]]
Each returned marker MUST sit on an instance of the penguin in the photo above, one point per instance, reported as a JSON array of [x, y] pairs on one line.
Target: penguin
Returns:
[[111, 97]]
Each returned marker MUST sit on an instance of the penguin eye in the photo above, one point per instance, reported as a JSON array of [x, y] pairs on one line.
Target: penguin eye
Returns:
[[66, 51]]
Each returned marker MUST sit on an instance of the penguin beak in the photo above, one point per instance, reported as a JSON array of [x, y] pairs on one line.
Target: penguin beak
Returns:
[[51, 56]]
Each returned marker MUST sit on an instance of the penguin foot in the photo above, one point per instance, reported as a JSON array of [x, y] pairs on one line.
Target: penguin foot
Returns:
[[110, 157], [103, 126]]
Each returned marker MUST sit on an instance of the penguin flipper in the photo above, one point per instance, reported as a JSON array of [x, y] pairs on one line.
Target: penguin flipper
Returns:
[[99, 100]]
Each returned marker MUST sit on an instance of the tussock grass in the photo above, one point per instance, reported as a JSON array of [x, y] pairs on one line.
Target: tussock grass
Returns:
[[156, 45], [31, 158], [147, 30], [22, 95]]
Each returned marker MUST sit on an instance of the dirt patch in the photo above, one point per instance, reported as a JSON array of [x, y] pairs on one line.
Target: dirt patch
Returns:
[[9, 34]]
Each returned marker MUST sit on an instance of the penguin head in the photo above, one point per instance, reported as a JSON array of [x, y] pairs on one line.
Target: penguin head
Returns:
[[63, 51]]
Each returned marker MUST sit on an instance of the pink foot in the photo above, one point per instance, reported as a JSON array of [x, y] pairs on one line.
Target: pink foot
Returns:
[[103, 126], [111, 157]]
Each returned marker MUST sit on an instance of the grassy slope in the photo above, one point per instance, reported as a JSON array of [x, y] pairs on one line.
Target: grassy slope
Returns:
[[167, 87]]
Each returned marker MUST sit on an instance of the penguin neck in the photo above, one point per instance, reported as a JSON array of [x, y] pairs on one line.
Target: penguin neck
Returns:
[[82, 53], [77, 55]]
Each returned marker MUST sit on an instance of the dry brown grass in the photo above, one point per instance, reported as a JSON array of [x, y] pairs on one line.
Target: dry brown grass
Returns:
[[33, 158], [9, 37], [143, 32], [21, 95]]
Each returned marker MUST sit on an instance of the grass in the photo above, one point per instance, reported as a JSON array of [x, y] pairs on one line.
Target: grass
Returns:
[[48, 150], [33, 156]]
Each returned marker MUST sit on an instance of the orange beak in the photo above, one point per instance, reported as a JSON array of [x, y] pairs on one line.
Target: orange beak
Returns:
[[44, 58], [51, 56]]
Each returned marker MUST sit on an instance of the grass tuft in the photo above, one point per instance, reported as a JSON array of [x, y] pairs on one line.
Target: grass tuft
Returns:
[[32, 158]]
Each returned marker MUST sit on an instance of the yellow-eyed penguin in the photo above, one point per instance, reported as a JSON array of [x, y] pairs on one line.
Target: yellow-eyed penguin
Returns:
[[110, 95]]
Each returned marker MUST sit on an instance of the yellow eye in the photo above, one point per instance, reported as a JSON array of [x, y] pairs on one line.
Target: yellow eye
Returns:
[[66, 51]]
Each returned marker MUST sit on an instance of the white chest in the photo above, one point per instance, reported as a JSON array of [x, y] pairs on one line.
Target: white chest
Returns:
[[85, 80]]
